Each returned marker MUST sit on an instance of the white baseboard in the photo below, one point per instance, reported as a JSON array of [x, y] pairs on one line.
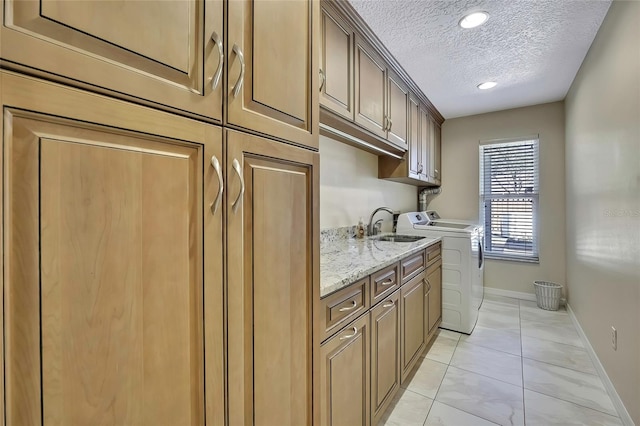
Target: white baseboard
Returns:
[[514, 294], [625, 417]]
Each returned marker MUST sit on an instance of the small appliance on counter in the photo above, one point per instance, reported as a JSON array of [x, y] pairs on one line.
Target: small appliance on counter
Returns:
[[462, 265]]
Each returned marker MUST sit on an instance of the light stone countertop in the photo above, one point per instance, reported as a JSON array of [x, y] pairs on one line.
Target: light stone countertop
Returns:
[[346, 260]]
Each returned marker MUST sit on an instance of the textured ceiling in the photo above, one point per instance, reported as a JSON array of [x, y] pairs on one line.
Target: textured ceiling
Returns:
[[532, 48]]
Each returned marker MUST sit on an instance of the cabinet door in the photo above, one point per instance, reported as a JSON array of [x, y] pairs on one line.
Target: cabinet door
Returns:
[[107, 293], [436, 145], [344, 376], [371, 83], [412, 322], [425, 138], [273, 69], [434, 283], [397, 111], [336, 63], [414, 139], [271, 213], [385, 354], [164, 54]]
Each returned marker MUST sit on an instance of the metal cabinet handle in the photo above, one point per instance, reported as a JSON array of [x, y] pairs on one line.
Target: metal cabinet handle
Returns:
[[323, 79], [349, 308], [238, 85], [390, 124], [216, 166], [236, 166], [388, 305], [385, 124], [420, 168], [428, 285], [349, 336], [386, 283], [436, 171], [216, 77]]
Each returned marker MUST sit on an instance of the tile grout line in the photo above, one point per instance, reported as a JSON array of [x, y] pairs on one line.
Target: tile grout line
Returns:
[[524, 408], [560, 366], [442, 380], [450, 406]]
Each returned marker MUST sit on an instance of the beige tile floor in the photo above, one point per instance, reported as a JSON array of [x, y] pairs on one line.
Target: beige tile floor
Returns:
[[521, 365]]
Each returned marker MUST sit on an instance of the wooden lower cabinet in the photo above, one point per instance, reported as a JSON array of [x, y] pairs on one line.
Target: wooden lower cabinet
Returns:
[[110, 304], [412, 322], [385, 354], [434, 283], [345, 375], [272, 280]]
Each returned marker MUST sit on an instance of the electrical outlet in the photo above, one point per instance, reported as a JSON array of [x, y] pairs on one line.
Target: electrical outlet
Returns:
[[614, 338]]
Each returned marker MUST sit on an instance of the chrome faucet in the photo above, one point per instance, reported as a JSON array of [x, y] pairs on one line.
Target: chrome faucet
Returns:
[[372, 230]]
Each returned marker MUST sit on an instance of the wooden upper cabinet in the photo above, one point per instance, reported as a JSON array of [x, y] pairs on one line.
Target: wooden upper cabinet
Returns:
[[272, 280], [371, 89], [397, 111], [424, 145], [273, 68], [165, 54], [336, 63], [414, 139], [107, 291], [436, 155]]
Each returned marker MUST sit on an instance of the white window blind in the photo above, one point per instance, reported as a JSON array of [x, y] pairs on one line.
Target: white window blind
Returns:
[[509, 192]]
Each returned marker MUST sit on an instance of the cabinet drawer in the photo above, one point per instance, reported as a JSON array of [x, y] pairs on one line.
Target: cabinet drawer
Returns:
[[343, 306], [384, 282], [412, 265], [434, 252]]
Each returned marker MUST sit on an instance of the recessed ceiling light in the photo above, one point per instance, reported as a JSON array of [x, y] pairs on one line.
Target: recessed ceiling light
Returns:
[[474, 19], [487, 85]]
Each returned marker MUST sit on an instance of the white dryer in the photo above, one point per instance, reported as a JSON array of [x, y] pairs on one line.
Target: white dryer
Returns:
[[462, 265]]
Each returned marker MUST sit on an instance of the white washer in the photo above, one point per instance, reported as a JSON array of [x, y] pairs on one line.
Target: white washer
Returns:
[[462, 265]]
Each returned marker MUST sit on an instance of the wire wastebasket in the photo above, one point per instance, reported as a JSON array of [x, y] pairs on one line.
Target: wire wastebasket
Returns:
[[548, 295]]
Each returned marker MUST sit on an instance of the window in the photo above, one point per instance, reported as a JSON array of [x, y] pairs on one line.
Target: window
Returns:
[[509, 198]]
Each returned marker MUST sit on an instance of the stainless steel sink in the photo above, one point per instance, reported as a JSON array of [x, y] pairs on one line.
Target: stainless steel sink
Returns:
[[399, 238]]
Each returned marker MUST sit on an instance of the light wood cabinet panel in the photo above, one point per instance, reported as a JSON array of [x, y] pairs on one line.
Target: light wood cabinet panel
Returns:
[[436, 145], [385, 354], [412, 333], [371, 89], [273, 69], [339, 308], [412, 265], [424, 145], [163, 54], [434, 284], [414, 152], [384, 282], [397, 111], [345, 376], [272, 280], [107, 292], [336, 63], [407, 169]]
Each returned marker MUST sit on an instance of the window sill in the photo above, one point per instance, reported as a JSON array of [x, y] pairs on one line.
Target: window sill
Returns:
[[535, 260]]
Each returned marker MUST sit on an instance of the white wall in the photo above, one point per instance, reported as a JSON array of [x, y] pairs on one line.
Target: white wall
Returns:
[[350, 188], [603, 198], [460, 186]]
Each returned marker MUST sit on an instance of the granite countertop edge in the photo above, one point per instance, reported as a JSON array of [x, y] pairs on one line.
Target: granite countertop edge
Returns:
[[344, 262]]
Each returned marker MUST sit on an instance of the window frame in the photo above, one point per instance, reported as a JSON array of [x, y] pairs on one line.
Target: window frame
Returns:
[[534, 255]]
